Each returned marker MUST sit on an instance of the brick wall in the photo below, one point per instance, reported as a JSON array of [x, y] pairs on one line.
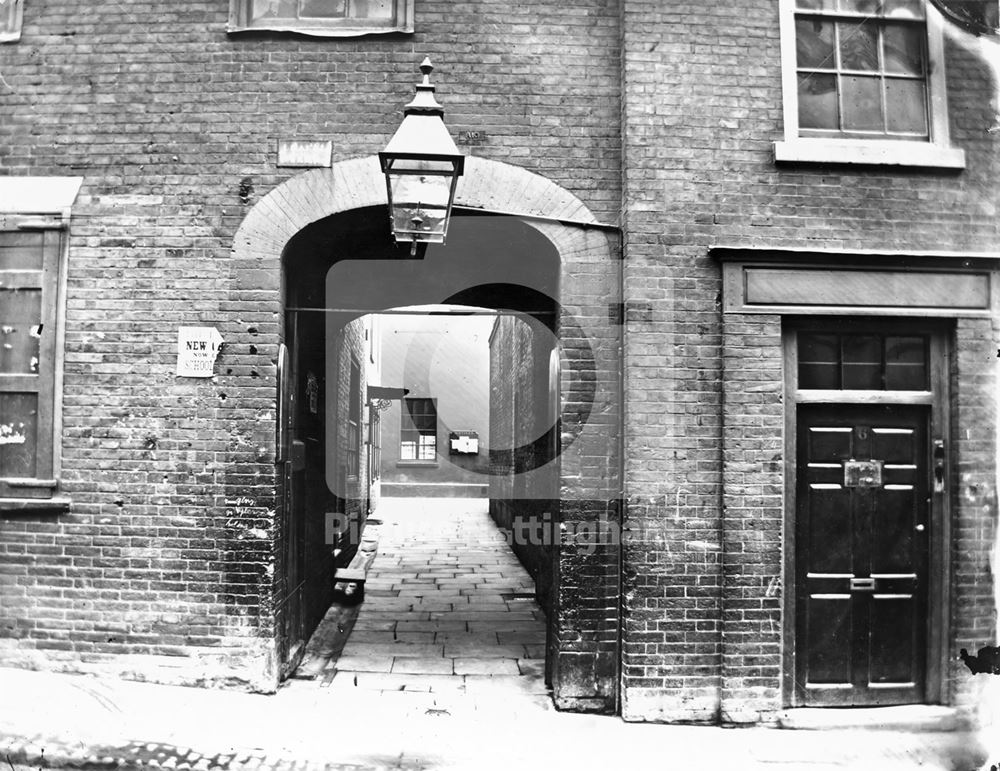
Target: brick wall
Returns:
[[524, 504], [752, 521], [973, 620], [173, 125], [660, 116], [701, 107]]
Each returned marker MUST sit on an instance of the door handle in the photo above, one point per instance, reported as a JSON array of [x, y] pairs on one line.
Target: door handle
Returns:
[[297, 456], [920, 528]]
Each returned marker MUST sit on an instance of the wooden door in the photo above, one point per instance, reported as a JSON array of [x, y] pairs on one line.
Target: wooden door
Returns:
[[290, 465], [861, 553]]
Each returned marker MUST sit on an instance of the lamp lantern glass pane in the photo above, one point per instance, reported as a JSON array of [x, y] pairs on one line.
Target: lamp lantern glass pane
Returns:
[[421, 192]]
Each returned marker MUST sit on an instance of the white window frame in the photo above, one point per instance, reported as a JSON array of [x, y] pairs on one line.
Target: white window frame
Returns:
[[10, 28], [43, 204], [240, 20], [935, 152], [424, 446]]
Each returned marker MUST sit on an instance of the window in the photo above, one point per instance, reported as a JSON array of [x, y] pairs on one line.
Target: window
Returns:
[[868, 362], [863, 82], [29, 303], [34, 217], [324, 18], [10, 20], [354, 421], [418, 430], [375, 445]]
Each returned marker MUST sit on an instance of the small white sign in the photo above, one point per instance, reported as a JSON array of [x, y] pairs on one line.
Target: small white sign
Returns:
[[305, 153], [197, 349]]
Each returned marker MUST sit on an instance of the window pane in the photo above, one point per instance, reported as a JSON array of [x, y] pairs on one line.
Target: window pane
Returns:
[[904, 49], [427, 449], [819, 361], [21, 251], [421, 415], [906, 106], [325, 9], [371, 9], [867, 7], [858, 45], [7, 16], [906, 364], [273, 9], [903, 9], [818, 101], [407, 450], [814, 43], [862, 362], [20, 319], [18, 434], [862, 103]]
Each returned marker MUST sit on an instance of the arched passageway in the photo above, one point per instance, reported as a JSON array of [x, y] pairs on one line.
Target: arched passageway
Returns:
[[561, 381]]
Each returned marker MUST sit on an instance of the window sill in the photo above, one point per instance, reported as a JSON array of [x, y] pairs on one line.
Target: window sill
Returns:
[[869, 153], [34, 505], [417, 463], [344, 31]]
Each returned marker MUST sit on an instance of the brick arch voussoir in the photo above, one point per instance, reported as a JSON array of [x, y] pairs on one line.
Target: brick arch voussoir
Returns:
[[358, 183]]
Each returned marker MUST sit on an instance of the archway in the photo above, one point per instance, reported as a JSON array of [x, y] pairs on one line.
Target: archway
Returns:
[[516, 238]]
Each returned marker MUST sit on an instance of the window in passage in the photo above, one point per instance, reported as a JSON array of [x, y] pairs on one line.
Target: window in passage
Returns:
[[418, 429]]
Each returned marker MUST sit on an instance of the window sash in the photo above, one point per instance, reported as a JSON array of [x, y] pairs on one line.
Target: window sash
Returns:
[[41, 384], [418, 429], [880, 74], [932, 151], [401, 20], [11, 15], [351, 452], [353, 449], [375, 444]]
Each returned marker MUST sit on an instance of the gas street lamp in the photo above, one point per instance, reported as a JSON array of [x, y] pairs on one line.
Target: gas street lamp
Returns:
[[421, 165]]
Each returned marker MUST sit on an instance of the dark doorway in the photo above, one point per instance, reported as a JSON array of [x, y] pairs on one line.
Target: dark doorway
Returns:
[[339, 273]]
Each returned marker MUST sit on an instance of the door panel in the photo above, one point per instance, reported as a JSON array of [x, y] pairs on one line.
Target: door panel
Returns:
[[862, 529]]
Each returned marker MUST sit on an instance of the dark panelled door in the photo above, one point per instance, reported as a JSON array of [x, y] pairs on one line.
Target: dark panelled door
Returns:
[[862, 534]]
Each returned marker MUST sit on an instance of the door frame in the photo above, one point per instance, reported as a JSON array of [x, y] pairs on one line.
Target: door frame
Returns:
[[939, 559]]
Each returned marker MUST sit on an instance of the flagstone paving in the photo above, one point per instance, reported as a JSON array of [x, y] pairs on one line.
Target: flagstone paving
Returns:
[[448, 608]]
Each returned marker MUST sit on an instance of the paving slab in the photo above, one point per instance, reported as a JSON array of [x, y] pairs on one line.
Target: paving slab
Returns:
[[479, 651], [395, 649], [486, 666], [364, 663], [527, 638], [439, 625], [531, 667], [415, 666]]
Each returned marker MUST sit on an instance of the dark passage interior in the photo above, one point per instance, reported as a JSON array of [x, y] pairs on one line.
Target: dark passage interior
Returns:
[[340, 273]]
